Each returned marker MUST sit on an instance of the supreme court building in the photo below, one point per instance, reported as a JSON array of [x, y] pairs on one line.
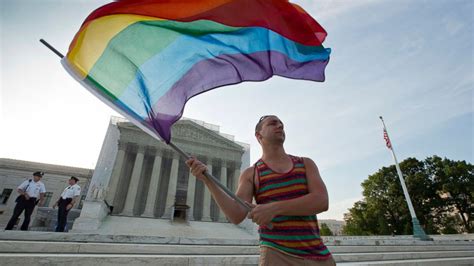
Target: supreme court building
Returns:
[[139, 176]]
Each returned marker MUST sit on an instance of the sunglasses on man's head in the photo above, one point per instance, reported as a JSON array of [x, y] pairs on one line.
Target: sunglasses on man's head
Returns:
[[262, 118], [260, 121]]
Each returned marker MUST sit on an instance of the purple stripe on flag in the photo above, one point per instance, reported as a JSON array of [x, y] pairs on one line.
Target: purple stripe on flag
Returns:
[[225, 70]]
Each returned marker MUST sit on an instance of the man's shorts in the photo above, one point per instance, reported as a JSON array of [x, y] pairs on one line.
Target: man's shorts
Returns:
[[272, 257]]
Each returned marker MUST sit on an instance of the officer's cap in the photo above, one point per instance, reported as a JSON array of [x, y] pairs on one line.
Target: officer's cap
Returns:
[[38, 173]]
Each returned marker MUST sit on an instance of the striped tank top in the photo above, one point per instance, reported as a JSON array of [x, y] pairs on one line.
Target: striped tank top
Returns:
[[295, 235]]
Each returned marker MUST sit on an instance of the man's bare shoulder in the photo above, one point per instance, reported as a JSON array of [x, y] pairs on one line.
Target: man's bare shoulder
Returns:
[[309, 162], [247, 174], [245, 189]]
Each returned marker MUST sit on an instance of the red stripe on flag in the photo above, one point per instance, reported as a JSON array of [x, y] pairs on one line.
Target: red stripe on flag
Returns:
[[387, 139]]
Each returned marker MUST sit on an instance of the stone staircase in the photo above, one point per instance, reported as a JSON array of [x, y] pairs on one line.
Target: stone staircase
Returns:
[[48, 248]]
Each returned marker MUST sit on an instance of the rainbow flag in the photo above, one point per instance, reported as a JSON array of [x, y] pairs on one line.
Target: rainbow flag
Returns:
[[147, 58]]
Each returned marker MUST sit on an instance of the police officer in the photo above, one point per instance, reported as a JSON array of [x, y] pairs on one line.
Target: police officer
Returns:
[[68, 198], [31, 192]]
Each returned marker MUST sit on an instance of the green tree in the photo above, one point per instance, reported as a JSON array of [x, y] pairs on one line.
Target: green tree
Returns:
[[438, 189], [359, 221], [324, 230], [455, 181]]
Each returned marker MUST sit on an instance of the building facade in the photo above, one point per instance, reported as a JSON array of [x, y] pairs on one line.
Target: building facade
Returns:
[[139, 176]]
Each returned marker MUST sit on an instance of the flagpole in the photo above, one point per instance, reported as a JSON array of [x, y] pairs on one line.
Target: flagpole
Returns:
[[417, 230], [178, 150], [51, 48]]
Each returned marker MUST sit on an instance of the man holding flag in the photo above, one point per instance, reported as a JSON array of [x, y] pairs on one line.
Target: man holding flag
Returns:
[[147, 58], [289, 192]]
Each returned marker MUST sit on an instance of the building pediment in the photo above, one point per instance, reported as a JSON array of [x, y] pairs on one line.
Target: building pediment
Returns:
[[186, 132], [189, 131]]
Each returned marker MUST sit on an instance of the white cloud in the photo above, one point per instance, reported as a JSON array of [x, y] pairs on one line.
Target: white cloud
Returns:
[[452, 25], [332, 8]]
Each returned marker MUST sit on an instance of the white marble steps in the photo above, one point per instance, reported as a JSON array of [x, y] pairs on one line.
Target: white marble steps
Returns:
[[37, 247], [49, 248], [107, 238], [124, 259], [370, 241], [397, 240], [120, 253], [386, 256], [464, 261], [400, 248], [147, 259], [154, 259], [22, 246]]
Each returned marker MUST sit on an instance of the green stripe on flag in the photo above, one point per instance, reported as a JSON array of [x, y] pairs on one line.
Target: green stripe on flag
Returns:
[[139, 42]]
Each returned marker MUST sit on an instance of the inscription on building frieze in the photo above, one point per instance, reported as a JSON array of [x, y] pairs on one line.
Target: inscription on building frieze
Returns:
[[197, 135]]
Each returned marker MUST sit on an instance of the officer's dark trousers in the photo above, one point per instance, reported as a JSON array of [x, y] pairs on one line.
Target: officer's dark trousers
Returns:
[[62, 214], [28, 206]]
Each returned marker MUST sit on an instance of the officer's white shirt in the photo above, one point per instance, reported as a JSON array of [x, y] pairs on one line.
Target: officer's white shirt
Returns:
[[33, 189], [71, 191]]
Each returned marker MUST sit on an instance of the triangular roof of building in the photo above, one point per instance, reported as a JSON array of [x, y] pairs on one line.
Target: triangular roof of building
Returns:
[[200, 130]]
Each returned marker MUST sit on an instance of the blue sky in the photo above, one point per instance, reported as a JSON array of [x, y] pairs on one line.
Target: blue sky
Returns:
[[409, 61]]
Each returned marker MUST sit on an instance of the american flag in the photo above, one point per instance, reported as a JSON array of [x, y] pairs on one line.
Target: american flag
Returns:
[[387, 140]]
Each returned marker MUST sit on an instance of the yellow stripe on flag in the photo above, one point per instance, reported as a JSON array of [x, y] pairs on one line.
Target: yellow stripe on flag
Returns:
[[94, 38]]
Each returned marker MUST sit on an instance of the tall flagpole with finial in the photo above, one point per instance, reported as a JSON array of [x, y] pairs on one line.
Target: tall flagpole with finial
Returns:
[[418, 232]]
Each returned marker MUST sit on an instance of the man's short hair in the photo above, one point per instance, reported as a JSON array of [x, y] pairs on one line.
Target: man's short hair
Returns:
[[75, 178], [258, 126]]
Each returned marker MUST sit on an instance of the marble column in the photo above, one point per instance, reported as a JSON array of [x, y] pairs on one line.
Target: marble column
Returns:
[[190, 196], [171, 195], [222, 217], [134, 181], [206, 206], [116, 172], [150, 204], [236, 176]]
